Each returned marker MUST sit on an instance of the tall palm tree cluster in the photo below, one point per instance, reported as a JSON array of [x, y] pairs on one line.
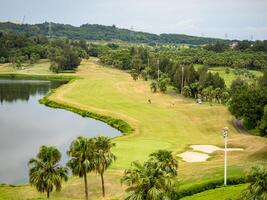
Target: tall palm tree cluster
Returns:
[[86, 155], [153, 180]]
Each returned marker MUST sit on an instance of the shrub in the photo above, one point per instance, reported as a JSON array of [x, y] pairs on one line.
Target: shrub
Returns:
[[208, 186]]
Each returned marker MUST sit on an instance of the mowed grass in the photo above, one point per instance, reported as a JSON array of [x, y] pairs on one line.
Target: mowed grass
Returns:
[[170, 122], [228, 78], [222, 193], [41, 67]]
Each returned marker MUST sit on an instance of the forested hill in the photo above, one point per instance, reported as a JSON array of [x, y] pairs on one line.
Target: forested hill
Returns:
[[101, 32]]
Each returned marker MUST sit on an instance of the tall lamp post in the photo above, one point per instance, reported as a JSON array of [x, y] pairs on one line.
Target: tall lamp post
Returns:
[[225, 135], [158, 70]]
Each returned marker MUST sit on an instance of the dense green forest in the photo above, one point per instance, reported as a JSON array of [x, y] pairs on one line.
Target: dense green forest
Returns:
[[101, 32]]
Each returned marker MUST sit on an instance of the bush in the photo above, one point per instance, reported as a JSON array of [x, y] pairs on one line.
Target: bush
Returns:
[[54, 67], [67, 60], [2, 60], [208, 186]]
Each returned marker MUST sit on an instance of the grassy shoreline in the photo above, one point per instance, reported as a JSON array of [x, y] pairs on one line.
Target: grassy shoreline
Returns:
[[118, 124]]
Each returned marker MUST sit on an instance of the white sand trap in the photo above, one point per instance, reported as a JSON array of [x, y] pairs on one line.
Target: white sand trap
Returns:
[[190, 156], [212, 148]]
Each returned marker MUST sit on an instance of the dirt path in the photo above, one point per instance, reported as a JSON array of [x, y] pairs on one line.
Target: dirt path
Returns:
[[239, 126]]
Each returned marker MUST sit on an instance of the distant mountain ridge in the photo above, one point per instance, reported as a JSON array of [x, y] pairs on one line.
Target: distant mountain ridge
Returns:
[[101, 32]]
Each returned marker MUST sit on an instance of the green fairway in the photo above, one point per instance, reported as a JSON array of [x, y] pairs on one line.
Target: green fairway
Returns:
[[221, 193], [170, 122], [41, 67]]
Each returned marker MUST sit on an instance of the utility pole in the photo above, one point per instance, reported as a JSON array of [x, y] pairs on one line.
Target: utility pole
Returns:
[[50, 30], [158, 70], [23, 19], [182, 83], [225, 135]]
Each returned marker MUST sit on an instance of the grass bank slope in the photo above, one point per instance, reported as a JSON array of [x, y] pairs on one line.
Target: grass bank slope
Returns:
[[222, 193]]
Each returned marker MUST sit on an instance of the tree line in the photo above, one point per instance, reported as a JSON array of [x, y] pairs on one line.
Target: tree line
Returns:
[[19, 49], [101, 32]]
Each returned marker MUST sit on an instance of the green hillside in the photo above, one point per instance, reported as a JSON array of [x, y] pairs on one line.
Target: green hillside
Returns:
[[101, 32]]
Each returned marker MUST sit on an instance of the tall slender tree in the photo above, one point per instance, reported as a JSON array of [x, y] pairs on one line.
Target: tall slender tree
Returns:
[[45, 171], [81, 159], [103, 157]]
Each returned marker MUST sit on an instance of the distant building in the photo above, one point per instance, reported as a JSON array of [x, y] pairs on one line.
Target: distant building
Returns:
[[233, 45]]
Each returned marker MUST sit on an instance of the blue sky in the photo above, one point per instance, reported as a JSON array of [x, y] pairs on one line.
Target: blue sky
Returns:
[[212, 18]]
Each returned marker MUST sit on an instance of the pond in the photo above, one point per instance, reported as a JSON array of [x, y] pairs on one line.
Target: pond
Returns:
[[25, 125]]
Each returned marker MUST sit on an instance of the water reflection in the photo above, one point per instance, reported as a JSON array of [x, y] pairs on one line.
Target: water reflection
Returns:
[[10, 91], [25, 125]]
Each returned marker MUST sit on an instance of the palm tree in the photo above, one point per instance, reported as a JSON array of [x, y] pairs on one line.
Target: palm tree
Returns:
[[81, 159], [186, 91], [167, 162], [153, 86], [257, 190], [45, 171], [152, 180], [103, 156]]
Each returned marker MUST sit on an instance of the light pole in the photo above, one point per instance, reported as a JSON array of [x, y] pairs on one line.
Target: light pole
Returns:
[[182, 83], [225, 135], [158, 70]]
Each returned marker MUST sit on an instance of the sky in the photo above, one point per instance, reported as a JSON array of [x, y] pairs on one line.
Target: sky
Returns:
[[232, 19]]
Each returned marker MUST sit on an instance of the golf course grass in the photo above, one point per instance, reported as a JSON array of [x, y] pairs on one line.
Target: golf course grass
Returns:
[[222, 193], [169, 122], [228, 78]]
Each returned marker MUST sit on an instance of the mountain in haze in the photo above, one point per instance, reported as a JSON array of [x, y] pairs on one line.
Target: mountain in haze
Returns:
[[101, 32]]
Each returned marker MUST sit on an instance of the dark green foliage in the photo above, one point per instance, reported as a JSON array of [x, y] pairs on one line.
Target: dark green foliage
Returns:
[[63, 78], [248, 103], [134, 74], [154, 179], [153, 86], [263, 80], [186, 92], [257, 189], [208, 186], [100, 32], [81, 159], [68, 59], [262, 126], [103, 157], [45, 173], [218, 46], [163, 83]]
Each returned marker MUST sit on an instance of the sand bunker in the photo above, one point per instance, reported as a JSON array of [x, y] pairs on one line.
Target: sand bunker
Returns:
[[191, 156], [212, 148]]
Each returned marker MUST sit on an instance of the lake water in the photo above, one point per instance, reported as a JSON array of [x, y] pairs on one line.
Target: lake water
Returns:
[[25, 125]]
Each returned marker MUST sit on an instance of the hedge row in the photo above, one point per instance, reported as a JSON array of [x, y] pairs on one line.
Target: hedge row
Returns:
[[37, 77], [208, 186], [119, 124]]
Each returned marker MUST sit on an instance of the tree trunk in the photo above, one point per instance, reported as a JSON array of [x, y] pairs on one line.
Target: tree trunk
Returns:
[[103, 184], [47, 194], [85, 186]]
